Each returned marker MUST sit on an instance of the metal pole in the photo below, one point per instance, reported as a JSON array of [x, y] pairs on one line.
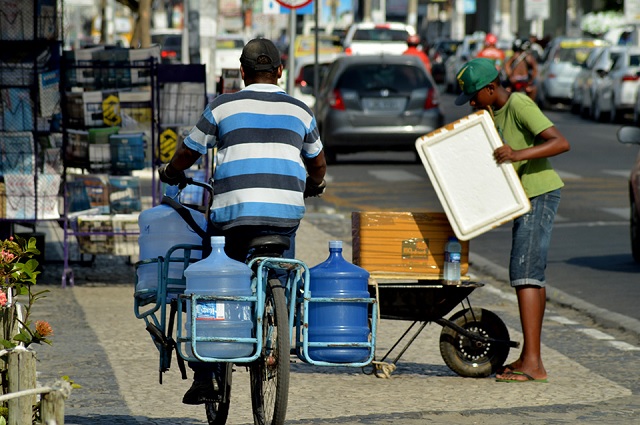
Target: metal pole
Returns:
[[316, 69], [292, 42]]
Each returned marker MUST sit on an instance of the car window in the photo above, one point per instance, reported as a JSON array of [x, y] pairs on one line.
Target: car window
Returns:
[[172, 42], [396, 77], [380, 34], [577, 55], [307, 72], [634, 60]]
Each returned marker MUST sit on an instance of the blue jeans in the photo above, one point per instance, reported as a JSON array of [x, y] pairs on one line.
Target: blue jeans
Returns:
[[531, 235]]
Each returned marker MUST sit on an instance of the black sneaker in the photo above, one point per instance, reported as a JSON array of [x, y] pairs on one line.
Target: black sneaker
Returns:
[[200, 393]]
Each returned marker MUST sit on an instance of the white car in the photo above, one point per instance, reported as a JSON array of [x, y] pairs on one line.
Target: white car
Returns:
[[367, 38], [560, 65], [228, 51], [467, 50], [617, 93], [595, 79], [584, 79]]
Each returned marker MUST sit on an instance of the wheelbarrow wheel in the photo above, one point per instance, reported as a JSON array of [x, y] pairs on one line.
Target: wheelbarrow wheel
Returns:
[[474, 358]]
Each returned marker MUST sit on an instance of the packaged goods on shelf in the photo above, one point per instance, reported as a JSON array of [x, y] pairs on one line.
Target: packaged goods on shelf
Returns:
[[124, 194], [95, 234]]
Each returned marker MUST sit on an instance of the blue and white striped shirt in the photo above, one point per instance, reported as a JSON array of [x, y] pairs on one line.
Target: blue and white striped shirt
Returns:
[[261, 133]]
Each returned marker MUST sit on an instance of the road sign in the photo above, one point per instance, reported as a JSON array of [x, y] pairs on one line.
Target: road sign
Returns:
[[294, 4]]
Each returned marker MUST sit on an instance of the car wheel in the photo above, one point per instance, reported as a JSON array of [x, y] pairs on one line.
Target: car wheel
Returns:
[[635, 231], [636, 116], [598, 113], [615, 116]]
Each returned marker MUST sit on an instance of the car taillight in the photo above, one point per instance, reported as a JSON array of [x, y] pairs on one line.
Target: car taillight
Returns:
[[630, 78], [168, 54], [348, 51], [432, 99], [335, 101], [300, 79]]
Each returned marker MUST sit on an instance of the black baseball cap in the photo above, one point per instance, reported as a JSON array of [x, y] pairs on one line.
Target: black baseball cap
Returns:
[[260, 47]]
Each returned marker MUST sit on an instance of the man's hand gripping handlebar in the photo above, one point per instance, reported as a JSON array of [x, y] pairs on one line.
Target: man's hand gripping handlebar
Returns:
[[312, 189]]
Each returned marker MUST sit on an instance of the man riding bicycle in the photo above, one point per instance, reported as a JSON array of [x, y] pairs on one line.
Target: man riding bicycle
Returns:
[[269, 157]]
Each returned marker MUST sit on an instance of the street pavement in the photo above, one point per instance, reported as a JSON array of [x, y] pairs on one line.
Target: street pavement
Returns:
[[101, 346]]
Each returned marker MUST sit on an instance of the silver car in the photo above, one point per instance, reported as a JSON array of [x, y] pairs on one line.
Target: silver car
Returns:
[[616, 94], [561, 63], [380, 102]]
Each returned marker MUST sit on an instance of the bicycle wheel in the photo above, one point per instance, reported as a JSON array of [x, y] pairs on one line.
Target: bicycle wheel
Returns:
[[218, 411], [270, 372]]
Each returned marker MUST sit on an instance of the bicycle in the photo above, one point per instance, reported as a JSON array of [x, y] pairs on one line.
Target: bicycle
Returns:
[[280, 302]]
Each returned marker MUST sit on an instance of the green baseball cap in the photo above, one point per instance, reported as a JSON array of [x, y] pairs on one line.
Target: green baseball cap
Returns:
[[473, 76]]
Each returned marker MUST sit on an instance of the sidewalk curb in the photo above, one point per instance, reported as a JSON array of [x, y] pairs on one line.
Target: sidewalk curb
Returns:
[[602, 316]]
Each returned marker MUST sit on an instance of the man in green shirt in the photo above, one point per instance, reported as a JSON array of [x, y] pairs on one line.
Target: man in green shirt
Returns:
[[529, 140]]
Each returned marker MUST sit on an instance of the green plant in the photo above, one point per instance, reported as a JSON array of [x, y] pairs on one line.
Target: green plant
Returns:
[[18, 275]]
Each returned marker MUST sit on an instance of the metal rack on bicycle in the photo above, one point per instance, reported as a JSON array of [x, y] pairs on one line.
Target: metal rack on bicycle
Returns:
[[280, 299]]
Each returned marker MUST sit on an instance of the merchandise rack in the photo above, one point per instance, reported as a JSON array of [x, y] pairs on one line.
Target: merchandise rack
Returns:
[[102, 199], [30, 138], [102, 144]]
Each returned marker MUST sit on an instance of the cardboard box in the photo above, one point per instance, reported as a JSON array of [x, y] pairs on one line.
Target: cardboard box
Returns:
[[99, 238], [126, 230], [405, 243]]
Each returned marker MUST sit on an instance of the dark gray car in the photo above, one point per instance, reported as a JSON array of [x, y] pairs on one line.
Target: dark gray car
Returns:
[[382, 102]]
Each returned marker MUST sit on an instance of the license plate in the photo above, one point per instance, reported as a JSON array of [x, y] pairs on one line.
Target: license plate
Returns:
[[383, 104]]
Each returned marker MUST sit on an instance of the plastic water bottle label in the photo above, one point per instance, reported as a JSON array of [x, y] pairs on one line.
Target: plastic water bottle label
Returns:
[[452, 257], [210, 311]]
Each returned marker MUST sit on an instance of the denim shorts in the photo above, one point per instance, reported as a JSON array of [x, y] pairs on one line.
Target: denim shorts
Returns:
[[531, 235]]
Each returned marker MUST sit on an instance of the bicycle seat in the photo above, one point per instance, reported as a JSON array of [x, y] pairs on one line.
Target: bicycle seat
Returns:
[[270, 242]]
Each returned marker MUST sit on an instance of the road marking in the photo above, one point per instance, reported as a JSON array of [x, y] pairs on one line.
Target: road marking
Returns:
[[568, 175], [617, 173], [563, 320], [623, 346], [619, 212], [595, 334], [395, 175]]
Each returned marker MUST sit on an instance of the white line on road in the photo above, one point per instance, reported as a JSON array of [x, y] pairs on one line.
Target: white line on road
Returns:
[[623, 346], [595, 334], [395, 175], [563, 320], [617, 173], [568, 175], [619, 212]]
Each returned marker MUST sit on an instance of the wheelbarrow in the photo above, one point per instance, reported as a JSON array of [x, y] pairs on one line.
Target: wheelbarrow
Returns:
[[474, 342]]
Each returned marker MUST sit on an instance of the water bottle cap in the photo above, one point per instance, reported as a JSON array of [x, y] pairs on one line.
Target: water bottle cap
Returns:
[[217, 240], [453, 239], [335, 244]]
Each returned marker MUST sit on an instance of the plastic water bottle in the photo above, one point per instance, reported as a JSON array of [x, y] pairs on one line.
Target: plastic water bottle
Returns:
[[452, 255], [220, 275], [161, 227], [342, 322]]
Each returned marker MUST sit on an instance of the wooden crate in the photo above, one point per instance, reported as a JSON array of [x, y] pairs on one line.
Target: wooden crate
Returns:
[[403, 243]]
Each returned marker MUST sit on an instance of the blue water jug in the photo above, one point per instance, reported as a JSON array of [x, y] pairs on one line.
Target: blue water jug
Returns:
[[162, 227], [220, 275], [338, 321]]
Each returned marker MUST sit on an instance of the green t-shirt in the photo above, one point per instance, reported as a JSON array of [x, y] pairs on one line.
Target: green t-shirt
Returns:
[[519, 121]]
